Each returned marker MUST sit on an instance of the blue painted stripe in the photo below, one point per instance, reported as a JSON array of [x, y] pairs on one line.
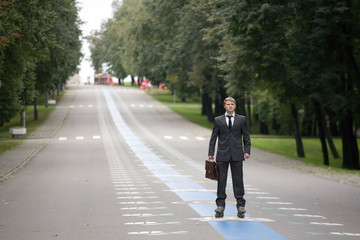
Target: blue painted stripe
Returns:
[[239, 230]]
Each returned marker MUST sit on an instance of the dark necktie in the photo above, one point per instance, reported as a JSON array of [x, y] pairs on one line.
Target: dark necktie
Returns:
[[230, 123]]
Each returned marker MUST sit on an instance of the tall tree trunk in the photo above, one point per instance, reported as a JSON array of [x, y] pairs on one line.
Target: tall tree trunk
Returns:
[[207, 107], [46, 99], [322, 127], [295, 121], [219, 107], [248, 106], [219, 101], [203, 104], [23, 118], [36, 116], [349, 143], [240, 106]]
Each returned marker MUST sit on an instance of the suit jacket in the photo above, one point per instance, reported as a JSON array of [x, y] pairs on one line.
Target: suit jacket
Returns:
[[232, 144]]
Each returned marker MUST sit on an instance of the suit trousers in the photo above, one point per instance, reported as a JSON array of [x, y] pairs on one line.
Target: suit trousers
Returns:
[[237, 181]]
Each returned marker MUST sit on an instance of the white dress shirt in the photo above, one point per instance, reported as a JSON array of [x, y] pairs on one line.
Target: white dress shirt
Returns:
[[232, 119]]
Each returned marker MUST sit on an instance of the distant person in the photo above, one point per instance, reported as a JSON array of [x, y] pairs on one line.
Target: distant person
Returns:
[[233, 148]]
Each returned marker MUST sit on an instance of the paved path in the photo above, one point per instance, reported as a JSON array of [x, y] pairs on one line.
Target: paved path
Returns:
[[16, 158]]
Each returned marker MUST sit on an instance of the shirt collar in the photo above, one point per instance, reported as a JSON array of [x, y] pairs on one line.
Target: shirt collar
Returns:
[[233, 115]]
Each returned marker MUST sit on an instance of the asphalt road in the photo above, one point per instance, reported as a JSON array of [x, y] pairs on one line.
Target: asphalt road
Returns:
[[124, 166]]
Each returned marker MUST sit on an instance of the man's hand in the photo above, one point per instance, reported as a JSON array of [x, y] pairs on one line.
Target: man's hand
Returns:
[[246, 155], [211, 157]]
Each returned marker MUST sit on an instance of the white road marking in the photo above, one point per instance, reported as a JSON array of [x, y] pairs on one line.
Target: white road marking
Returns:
[[79, 138], [346, 234], [233, 219], [168, 137], [184, 138], [141, 202], [151, 223], [200, 138], [327, 224], [151, 233], [257, 193], [143, 208], [62, 138], [279, 203], [309, 216], [148, 215], [96, 137], [273, 198], [293, 209], [190, 190]]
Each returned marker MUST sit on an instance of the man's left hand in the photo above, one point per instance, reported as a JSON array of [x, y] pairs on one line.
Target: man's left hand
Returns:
[[246, 155]]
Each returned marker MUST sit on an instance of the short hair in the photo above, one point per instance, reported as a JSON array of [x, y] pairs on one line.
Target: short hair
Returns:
[[230, 99]]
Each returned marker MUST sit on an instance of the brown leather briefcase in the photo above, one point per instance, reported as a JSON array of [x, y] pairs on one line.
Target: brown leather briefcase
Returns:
[[211, 170]]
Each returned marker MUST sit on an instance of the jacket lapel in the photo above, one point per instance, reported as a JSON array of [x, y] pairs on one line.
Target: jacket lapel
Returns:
[[236, 120], [223, 121]]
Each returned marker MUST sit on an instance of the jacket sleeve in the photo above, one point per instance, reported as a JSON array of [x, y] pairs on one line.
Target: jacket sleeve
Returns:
[[213, 139]]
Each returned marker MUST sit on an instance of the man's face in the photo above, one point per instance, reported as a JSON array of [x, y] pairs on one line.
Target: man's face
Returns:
[[229, 106]]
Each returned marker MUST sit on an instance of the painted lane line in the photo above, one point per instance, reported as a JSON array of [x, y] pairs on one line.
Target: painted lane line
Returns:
[[62, 138], [157, 233], [184, 138], [123, 189], [258, 193], [96, 137], [326, 224], [293, 209], [345, 234], [143, 208], [269, 198], [190, 190], [79, 138], [309, 216], [152, 223], [233, 219], [200, 138], [138, 197], [280, 203], [148, 215], [168, 137], [141, 202]]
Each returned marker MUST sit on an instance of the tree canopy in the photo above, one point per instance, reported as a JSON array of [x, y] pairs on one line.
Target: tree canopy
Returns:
[[295, 62], [39, 50]]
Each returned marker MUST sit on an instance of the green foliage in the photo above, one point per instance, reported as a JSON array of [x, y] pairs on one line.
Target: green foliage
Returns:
[[39, 50], [277, 53]]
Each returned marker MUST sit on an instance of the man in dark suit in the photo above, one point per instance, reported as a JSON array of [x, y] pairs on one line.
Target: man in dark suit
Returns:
[[233, 148]]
